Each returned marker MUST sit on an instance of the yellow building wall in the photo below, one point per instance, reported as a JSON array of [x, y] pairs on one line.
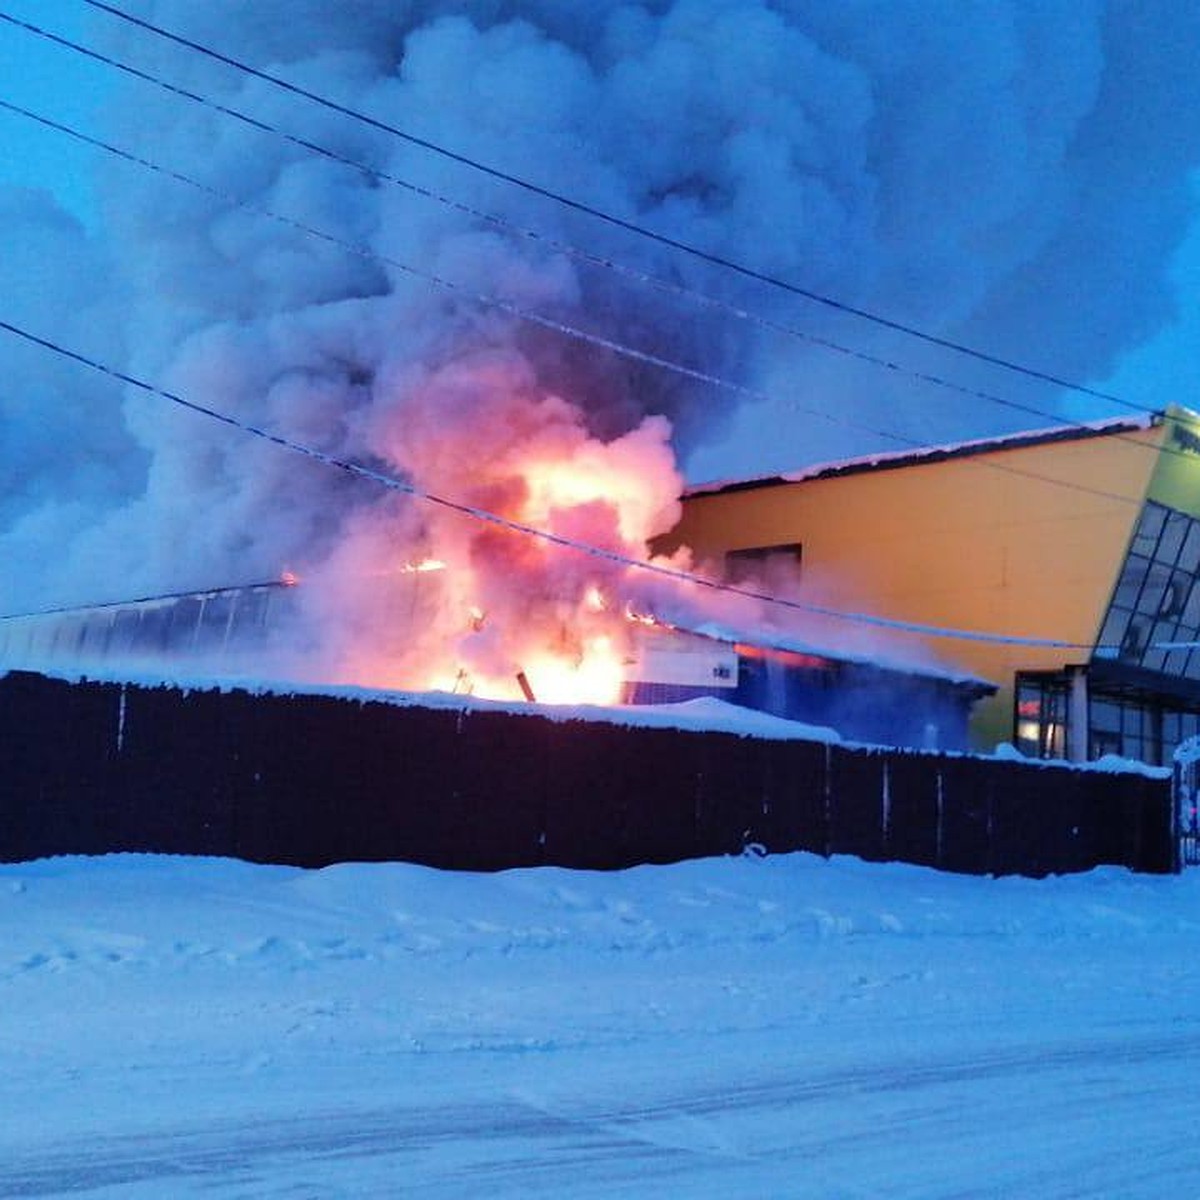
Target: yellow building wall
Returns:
[[1019, 542]]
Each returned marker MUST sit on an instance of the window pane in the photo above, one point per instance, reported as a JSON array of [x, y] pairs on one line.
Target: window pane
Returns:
[[1130, 583], [1131, 720], [1165, 632], [1189, 617], [1189, 556], [1178, 588], [1154, 660], [1113, 633], [1171, 541], [1154, 592], [1146, 535], [1136, 639], [1177, 661], [1105, 716]]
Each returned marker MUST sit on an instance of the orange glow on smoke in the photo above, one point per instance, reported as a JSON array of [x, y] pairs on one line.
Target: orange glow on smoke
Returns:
[[470, 607]]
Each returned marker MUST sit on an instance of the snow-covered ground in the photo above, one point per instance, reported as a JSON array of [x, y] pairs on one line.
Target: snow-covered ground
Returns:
[[743, 1027]]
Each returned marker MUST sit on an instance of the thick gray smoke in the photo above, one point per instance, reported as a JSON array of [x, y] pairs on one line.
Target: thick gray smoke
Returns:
[[1011, 174]]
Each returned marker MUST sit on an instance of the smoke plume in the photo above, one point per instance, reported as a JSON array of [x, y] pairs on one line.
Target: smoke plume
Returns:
[[1009, 174]]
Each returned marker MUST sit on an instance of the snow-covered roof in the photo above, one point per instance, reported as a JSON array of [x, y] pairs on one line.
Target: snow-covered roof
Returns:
[[925, 455]]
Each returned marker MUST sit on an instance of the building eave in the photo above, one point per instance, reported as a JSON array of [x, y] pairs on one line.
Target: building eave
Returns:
[[928, 455]]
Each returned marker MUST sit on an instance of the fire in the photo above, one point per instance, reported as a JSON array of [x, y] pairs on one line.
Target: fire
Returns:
[[474, 606], [644, 618], [596, 678]]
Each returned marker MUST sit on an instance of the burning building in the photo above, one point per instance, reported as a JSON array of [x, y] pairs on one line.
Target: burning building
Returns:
[[232, 630], [448, 329]]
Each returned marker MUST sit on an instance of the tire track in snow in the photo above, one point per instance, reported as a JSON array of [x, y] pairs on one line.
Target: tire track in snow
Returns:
[[887, 1120]]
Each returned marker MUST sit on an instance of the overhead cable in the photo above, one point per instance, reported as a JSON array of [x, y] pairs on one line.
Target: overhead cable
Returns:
[[557, 326], [645, 278], [538, 319], [609, 218], [473, 512]]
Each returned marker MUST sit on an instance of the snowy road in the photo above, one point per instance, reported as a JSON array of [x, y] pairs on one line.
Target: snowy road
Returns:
[[784, 1027]]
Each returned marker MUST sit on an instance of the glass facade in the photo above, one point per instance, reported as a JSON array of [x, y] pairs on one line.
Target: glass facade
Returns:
[[1151, 629], [1155, 607], [1131, 723], [1141, 727], [1143, 695]]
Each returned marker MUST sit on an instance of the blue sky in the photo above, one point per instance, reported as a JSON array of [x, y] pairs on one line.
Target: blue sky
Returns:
[[59, 84]]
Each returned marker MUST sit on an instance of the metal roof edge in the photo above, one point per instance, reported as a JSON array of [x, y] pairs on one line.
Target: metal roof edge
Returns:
[[927, 455]]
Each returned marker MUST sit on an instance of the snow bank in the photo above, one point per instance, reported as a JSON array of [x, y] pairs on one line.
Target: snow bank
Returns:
[[779, 1026]]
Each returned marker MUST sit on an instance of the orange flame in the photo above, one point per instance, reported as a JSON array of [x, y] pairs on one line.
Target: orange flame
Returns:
[[475, 605], [596, 678]]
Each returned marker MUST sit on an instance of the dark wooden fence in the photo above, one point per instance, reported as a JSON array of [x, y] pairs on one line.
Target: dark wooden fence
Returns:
[[91, 768]]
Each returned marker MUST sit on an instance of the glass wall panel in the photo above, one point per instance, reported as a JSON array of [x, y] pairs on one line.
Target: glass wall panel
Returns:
[[1141, 727], [1170, 541], [1189, 556], [1113, 633], [1129, 586], [1150, 523], [1156, 600], [1190, 616]]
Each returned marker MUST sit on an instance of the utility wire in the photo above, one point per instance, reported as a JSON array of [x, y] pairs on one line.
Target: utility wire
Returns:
[[538, 319], [609, 218], [594, 339], [643, 277], [392, 483]]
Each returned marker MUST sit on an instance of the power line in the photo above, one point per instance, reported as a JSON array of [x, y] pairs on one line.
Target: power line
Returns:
[[542, 321], [643, 357], [473, 512], [825, 343], [643, 277], [557, 326], [608, 218]]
